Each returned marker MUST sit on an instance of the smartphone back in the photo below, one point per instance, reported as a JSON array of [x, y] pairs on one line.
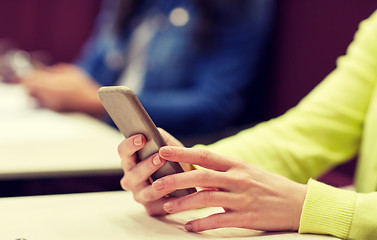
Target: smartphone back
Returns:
[[130, 117]]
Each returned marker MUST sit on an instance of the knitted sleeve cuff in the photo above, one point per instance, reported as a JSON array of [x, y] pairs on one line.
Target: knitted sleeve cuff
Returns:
[[327, 210]]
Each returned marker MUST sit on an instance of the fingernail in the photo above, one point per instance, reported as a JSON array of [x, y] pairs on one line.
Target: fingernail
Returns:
[[138, 141], [168, 207], [158, 184], [166, 151], [188, 227], [156, 160]]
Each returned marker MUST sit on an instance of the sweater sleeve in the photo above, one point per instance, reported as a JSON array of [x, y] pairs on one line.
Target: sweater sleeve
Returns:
[[339, 212], [325, 128], [322, 131]]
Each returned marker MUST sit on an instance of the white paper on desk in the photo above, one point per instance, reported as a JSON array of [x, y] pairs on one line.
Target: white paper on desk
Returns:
[[39, 141], [50, 143], [22, 121], [38, 126], [14, 100]]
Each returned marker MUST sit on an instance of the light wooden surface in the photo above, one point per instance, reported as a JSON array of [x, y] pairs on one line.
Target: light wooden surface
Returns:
[[107, 215], [36, 142]]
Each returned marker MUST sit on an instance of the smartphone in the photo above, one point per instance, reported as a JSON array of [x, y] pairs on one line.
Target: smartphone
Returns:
[[131, 118]]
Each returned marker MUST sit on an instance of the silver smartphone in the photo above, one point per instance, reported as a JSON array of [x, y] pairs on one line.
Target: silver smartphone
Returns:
[[131, 118]]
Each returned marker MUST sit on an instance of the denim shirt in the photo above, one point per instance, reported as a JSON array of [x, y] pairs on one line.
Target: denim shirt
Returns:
[[188, 88]]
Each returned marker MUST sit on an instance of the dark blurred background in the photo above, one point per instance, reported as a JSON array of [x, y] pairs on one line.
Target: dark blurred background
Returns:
[[309, 37], [58, 27]]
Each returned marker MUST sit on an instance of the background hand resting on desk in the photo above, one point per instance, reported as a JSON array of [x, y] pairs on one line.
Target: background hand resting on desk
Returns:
[[63, 88], [252, 198]]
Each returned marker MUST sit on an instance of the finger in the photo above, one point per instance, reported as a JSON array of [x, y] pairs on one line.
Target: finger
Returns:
[[195, 178], [205, 198], [46, 101], [127, 150], [41, 96], [155, 208], [147, 194], [39, 83], [32, 82], [197, 156], [152, 202], [59, 67], [130, 184], [38, 65], [218, 220], [124, 184], [38, 76], [137, 177], [172, 141]]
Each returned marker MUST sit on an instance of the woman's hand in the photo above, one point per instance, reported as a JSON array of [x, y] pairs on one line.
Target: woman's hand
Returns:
[[252, 198], [137, 174], [64, 88]]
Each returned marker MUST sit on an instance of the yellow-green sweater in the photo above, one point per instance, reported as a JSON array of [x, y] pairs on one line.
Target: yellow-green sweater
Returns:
[[336, 121]]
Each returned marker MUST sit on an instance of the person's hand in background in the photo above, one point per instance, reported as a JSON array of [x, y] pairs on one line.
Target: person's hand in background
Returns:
[[64, 88]]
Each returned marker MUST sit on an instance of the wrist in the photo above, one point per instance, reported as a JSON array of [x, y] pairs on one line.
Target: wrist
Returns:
[[96, 109], [93, 105], [299, 200]]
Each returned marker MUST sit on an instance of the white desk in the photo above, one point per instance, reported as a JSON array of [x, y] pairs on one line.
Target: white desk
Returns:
[[107, 215], [41, 143]]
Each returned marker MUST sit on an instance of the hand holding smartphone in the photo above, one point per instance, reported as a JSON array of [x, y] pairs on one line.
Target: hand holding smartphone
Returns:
[[130, 117]]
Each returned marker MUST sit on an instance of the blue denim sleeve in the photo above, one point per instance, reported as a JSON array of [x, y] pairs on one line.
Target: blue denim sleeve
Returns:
[[92, 57], [221, 76]]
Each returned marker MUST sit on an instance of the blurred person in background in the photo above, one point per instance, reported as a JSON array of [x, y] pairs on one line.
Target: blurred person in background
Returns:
[[189, 62]]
